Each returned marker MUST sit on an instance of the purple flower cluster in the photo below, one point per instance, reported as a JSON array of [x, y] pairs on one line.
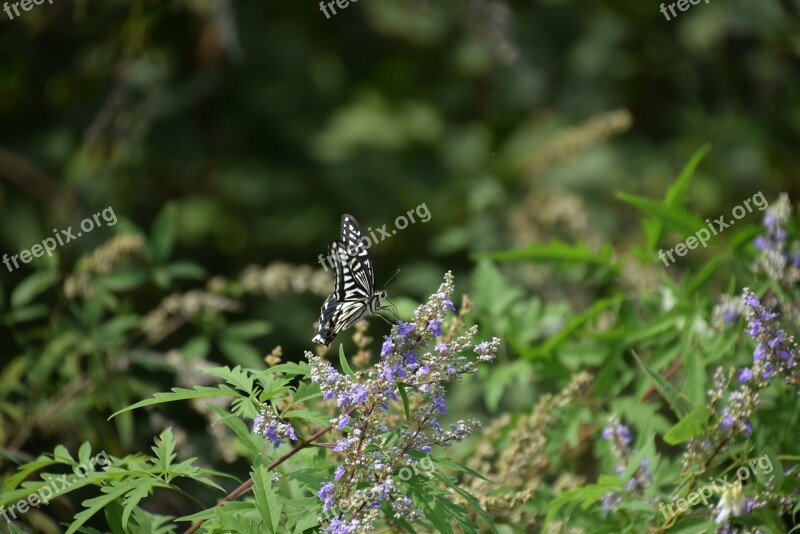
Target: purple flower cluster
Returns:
[[365, 477], [774, 258], [620, 438], [776, 353], [269, 425]]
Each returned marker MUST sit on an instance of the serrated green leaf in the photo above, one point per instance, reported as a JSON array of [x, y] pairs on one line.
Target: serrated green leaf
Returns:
[[675, 217], [164, 450], [268, 503], [689, 427], [237, 377], [179, 394], [679, 404], [93, 506]]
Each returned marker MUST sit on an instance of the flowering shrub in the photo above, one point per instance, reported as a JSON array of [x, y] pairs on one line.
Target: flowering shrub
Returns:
[[644, 404]]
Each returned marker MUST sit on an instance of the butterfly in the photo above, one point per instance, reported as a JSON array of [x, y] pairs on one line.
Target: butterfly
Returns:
[[354, 294]]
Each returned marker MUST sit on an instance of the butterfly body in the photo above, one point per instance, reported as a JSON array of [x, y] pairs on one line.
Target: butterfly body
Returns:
[[354, 296]]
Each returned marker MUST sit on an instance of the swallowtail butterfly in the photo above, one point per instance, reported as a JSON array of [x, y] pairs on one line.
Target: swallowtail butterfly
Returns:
[[354, 294]]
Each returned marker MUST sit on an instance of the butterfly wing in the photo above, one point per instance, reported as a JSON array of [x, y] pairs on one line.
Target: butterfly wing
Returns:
[[327, 315], [356, 247], [353, 284]]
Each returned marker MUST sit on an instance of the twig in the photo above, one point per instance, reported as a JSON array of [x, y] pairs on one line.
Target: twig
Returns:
[[235, 494]]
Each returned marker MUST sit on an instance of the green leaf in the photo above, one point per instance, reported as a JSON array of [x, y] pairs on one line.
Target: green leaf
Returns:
[[776, 472], [705, 273], [93, 506], [343, 362], [186, 270], [246, 330], [676, 191], [471, 499], [164, 231], [585, 495], [268, 504], [290, 368], [122, 280], [306, 391], [678, 218], [306, 415], [690, 426], [31, 287], [243, 432], [28, 313], [241, 353], [401, 387], [571, 327], [679, 404], [237, 377], [197, 347], [455, 466], [164, 450], [144, 487], [559, 252], [654, 227], [182, 394]]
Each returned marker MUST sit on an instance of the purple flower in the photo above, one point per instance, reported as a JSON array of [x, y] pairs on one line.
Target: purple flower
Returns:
[[746, 375], [360, 394], [447, 303], [439, 404], [273, 428], [731, 316], [343, 399], [387, 347], [343, 444], [727, 422], [747, 428], [326, 495], [339, 472], [343, 422], [404, 329], [610, 502], [435, 326]]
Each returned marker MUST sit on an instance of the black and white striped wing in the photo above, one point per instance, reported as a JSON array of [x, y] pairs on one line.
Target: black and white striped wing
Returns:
[[360, 264], [349, 301]]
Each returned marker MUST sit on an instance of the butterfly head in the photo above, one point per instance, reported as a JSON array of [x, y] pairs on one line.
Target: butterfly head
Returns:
[[377, 300]]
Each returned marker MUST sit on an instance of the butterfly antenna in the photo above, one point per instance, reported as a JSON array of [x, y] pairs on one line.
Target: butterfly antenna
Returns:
[[385, 319], [390, 280], [393, 309]]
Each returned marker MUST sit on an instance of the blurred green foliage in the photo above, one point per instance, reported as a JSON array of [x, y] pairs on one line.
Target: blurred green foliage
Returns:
[[226, 134]]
